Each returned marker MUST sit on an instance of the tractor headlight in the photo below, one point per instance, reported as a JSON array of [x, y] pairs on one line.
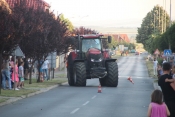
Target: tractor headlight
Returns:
[[92, 60], [100, 59]]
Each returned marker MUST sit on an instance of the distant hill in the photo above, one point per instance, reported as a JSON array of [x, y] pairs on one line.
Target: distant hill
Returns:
[[130, 31]]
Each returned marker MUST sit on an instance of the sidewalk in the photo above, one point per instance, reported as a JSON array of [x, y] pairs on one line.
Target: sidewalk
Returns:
[[34, 88], [155, 85]]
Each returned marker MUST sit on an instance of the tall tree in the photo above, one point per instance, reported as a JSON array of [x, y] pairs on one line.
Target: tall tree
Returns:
[[155, 22], [7, 29]]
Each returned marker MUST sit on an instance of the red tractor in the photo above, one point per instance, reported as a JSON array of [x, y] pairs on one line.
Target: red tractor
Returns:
[[89, 60]]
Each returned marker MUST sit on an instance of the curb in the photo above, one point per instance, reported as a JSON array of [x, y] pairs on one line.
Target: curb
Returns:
[[14, 99]]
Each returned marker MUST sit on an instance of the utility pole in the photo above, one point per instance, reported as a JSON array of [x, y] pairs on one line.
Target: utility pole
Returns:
[[170, 13], [159, 18], [162, 17], [165, 16], [170, 23], [154, 21]]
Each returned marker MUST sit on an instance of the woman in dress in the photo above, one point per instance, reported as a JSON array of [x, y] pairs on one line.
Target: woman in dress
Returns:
[[15, 78]]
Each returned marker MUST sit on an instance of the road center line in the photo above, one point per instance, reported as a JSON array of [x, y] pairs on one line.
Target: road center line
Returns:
[[74, 110], [85, 103], [94, 97]]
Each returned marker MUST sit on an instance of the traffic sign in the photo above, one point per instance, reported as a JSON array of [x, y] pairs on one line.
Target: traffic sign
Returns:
[[167, 52]]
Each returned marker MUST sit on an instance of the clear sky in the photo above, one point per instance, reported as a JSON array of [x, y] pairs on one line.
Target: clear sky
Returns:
[[108, 13]]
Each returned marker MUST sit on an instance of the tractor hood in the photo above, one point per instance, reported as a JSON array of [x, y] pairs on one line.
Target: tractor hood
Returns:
[[93, 51]]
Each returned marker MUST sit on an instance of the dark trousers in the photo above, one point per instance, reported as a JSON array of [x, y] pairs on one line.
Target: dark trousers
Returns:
[[171, 107]]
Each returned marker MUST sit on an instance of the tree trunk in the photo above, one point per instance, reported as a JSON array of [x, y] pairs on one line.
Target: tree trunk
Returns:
[[1, 72]]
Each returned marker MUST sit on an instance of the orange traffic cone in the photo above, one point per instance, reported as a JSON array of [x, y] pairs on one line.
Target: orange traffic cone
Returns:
[[99, 88], [130, 79]]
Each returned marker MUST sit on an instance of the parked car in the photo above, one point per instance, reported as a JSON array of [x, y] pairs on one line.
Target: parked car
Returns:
[[133, 51]]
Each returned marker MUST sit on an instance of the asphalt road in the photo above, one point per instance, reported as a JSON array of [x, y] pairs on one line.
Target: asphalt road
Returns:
[[127, 100]]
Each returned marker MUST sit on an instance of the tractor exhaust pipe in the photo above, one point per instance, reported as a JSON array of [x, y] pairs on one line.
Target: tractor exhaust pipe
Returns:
[[79, 46]]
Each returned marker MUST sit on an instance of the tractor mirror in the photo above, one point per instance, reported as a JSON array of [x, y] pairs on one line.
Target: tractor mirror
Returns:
[[109, 39]]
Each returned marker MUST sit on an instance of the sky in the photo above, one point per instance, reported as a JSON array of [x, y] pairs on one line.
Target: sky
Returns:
[[108, 13]]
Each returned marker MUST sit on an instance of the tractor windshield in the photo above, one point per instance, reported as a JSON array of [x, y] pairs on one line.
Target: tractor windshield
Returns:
[[90, 43]]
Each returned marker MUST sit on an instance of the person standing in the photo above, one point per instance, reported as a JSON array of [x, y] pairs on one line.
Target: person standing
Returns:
[[45, 68], [15, 77], [155, 63], [6, 74], [168, 88], [157, 108], [21, 75]]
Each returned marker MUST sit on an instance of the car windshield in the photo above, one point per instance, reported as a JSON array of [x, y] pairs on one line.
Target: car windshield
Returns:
[[90, 43]]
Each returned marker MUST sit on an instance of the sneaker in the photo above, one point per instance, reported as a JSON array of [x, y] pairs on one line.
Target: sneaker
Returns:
[[16, 89]]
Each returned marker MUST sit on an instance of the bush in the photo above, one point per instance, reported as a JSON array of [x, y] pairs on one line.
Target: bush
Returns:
[[160, 61]]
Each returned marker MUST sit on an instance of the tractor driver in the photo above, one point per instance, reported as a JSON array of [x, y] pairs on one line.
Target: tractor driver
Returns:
[[86, 44]]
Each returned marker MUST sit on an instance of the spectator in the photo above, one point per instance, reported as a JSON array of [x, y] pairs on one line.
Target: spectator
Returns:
[[15, 77], [45, 68], [157, 108], [6, 73], [155, 63], [168, 88], [164, 60], [159, 71], [21, 75]]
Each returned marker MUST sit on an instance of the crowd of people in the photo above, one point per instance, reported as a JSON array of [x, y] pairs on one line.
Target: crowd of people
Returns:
[[15, 72], [163, 101]]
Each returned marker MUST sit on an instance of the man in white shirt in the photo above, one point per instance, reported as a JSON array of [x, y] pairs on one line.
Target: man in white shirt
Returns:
[[45, 68], [155, 63]]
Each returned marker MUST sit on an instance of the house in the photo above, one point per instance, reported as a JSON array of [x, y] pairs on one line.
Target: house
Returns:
[[31, 3], [120, 37]]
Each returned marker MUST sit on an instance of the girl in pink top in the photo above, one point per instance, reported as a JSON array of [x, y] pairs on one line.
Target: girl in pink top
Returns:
[[15, 77], [157, 108]]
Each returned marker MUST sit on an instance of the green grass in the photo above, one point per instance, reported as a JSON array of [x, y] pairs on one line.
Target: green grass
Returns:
[[61, 75], [30, 88], [3, 99], [14, 93], [44, 84]]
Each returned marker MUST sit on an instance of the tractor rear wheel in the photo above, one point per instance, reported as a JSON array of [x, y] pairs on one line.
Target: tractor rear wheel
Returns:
[[112, 77], [79, 74]]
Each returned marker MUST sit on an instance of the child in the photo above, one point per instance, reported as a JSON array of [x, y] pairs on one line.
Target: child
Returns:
[[157, 108], [171, 80], [15, 78], [21, 75]]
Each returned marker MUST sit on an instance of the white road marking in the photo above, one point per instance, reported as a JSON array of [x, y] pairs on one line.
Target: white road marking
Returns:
[[74, 110], [94, 96], [85, 103]]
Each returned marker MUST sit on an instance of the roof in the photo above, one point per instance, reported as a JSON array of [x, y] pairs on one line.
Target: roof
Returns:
[[91, 36], [124, 37], [30, 3]]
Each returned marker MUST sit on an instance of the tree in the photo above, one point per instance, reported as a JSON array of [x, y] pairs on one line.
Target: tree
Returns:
[[7, 29], [155, 22], [41, 33]]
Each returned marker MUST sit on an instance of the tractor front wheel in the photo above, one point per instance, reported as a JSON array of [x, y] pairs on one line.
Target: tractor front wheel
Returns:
[[112, 77], [79, 74]]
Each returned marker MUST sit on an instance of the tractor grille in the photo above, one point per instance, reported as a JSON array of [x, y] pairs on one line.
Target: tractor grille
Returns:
[[96, 58]]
